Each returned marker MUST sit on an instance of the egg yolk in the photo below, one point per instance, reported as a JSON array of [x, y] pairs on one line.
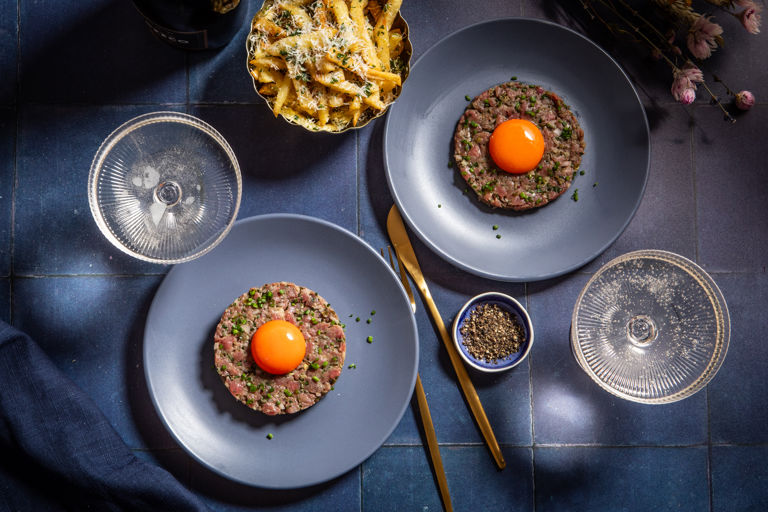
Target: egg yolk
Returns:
[[278, 347], [516, 146]]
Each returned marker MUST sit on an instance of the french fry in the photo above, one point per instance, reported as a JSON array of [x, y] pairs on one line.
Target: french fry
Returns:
[[282, 94], [356, 12], [269, 62], [355, 109], [323, 115], [269, 27], [304, 97], [395, 43], [281, 47], [335, 100], [300, 16], [369, 73], [374, 7], [268, 76], [269, 89], [381, 31]]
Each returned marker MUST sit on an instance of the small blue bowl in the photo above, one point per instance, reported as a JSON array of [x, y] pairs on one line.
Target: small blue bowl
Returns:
[[513, 307]]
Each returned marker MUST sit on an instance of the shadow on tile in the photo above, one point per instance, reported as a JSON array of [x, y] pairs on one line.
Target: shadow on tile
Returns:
[[88, 41]]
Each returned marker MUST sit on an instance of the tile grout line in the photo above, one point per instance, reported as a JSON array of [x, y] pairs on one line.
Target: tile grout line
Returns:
[[15, 174], [710, 488], [531, 404], [694, 191], [358, 213], [360, 502]]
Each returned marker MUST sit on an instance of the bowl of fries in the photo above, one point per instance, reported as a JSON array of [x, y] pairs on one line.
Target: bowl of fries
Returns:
[[329, 65]]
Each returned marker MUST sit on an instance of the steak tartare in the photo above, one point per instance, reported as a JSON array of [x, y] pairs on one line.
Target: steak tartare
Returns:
[[563, 138], [315, 375]]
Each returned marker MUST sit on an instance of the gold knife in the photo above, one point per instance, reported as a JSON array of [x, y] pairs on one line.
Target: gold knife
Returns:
[[404, 250]]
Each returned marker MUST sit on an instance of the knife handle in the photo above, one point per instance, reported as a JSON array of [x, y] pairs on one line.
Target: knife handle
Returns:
[[466, 384]]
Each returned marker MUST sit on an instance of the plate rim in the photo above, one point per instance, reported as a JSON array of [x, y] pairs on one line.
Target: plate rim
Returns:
[[375, 447], [517, 277]]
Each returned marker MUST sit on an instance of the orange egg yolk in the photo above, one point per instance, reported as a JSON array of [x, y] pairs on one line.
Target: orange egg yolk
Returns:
[[278, 347], [516, 146]]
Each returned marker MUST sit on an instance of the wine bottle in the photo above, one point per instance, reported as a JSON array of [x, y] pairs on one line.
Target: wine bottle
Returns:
[[193, 24]]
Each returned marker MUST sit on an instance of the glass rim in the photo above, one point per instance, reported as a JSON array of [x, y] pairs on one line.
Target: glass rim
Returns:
[[132, 125], [712, 291]]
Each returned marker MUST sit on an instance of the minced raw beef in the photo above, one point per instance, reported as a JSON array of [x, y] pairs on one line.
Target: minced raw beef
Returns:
[[563, 137], [317, 372]]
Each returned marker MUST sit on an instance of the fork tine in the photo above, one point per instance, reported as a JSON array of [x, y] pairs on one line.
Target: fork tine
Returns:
[[403, 277]]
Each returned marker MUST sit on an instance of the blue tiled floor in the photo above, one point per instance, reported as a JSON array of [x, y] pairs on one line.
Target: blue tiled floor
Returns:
[[8, 53], [7, 159], [71, 72], [631, 479]]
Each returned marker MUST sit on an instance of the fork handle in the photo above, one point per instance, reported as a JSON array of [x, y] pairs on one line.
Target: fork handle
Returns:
[[434, 448], [466, 384]]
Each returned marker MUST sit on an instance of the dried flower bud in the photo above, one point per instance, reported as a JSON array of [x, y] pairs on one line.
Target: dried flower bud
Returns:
[[702, 37], [745, 100], [684, 83], [750, 17], [687, 97]]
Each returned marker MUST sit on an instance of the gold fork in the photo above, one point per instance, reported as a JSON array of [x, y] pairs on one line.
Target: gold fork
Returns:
[[421, 397]]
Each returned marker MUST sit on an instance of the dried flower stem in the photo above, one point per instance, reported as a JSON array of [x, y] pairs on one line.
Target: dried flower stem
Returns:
[[634, 29]]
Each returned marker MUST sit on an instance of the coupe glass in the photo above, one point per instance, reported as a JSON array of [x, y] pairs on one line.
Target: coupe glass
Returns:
[[651, 327], [165, 187]]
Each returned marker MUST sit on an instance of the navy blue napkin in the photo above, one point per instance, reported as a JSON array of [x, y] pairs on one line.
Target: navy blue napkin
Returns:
[[59, 452]]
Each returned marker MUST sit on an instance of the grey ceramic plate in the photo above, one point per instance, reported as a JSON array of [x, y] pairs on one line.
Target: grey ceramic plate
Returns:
[[547, 241], [343, 428]]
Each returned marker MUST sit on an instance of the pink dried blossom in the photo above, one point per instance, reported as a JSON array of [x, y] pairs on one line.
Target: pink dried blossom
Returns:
[[745, 100], [687, 97], [750, 16], [684, 83], [702, 37]]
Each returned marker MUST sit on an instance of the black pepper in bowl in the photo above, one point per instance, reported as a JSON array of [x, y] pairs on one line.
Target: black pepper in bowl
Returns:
[[491, 333]]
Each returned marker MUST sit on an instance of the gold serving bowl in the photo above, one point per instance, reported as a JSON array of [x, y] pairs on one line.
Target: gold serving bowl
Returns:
[[300, 117]]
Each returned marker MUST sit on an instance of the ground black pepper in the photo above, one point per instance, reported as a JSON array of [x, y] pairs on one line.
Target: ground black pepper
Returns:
[[491, 333]]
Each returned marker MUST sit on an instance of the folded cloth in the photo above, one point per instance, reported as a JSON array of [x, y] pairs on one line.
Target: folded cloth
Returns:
[[59, 452]]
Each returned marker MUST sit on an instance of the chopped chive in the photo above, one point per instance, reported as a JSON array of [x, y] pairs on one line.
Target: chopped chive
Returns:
[[498, 236], [270, 436], [467, 98], [369, 339], [352, 366], [315, 378]]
